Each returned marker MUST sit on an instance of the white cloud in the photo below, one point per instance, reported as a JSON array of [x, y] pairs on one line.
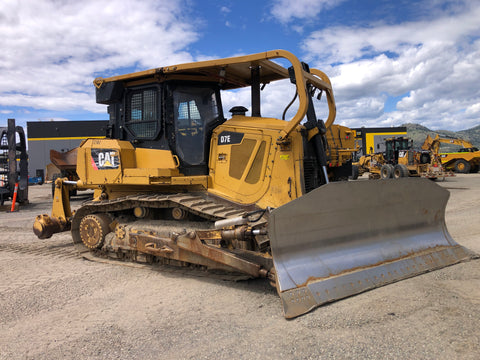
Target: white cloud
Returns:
[[473, 110], [225, 10], [287, 10], [339, 44], [52, 50], [436, 62]]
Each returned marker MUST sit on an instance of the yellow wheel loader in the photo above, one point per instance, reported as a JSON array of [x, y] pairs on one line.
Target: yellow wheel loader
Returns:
[[177, 183]]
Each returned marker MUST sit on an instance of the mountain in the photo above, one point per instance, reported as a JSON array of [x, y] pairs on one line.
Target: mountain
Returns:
[[418, 133], [472, 135]]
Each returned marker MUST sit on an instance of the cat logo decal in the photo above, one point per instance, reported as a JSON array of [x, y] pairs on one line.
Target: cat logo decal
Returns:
[[105, 159]]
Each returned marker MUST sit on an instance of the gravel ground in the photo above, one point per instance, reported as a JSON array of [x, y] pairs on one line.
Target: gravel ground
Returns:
[[54, 305]]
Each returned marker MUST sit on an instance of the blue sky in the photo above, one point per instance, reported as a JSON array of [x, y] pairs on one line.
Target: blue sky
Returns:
[[390, 62]]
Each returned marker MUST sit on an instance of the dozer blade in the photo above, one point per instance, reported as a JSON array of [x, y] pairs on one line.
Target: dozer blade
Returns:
[[348, 237]]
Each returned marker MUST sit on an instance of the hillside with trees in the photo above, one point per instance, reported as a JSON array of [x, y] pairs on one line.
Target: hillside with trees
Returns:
[[418, 133]]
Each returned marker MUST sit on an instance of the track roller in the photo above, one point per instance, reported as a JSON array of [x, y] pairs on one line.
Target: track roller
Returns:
[[179, 214]]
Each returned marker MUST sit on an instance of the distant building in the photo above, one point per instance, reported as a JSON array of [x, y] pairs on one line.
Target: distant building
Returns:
[[58, 135], [372, 140]]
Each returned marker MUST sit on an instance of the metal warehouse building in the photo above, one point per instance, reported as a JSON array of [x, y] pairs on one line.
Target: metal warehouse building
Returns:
[[60, 136], [372, 140]]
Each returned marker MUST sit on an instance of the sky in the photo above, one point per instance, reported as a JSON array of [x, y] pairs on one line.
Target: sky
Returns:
[[390, 62]]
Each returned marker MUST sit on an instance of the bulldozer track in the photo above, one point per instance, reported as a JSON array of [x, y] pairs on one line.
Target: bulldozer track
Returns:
[[198, 204]]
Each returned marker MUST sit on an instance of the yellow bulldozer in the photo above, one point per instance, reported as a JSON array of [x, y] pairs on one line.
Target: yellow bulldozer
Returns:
[[177, 183], [465, 160]]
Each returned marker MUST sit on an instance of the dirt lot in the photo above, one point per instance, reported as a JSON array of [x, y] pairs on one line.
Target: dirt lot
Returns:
[[54, 305]]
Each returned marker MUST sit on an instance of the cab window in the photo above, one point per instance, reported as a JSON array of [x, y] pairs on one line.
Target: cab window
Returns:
[[142, 117]]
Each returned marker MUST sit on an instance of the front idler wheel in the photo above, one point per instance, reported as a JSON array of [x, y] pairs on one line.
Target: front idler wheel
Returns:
[[93, 229]]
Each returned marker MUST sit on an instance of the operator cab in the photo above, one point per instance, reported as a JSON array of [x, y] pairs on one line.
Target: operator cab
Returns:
[[171, 115], [394, 146]]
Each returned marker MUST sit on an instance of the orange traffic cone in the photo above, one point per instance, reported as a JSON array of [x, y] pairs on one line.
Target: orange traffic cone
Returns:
[[14, 200]]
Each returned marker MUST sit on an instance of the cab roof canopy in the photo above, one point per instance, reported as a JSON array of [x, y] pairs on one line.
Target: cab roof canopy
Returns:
[[230, 73], [233, 73]]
